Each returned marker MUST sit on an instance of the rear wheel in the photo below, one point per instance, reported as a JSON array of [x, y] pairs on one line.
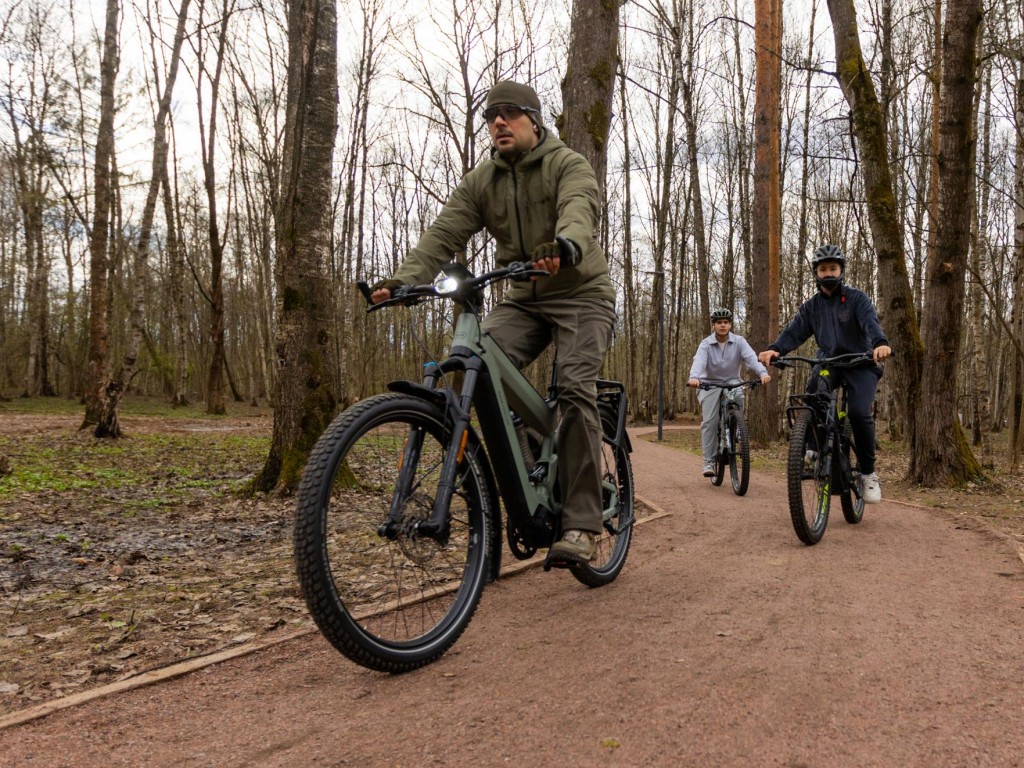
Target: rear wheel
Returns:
[[810, 489], [739, 455], [617, 494], [390, 601]]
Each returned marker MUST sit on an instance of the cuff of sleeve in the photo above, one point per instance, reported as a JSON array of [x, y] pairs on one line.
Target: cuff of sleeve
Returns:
[[389, 284]]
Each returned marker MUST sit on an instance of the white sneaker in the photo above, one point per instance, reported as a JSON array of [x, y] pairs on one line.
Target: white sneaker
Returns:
[[871, 491], [809, 458], [709, 469]]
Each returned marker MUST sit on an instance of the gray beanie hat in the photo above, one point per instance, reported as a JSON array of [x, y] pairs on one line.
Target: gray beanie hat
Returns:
[[508, 92]]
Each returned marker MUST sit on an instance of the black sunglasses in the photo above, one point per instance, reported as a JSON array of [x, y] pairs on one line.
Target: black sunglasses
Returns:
[[508, 112]]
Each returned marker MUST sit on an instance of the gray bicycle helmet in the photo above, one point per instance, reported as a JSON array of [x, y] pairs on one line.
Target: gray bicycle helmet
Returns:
[[721, 314], [825, 253]]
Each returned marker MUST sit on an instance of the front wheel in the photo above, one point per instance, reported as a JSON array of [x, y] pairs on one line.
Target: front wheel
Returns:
[[852, 499], [617, 495], [739, 454], [390, 601], [809, 485]]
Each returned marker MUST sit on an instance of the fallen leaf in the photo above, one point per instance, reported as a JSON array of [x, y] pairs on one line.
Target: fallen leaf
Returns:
[[611, 743], [53, 635], [7, 688], [19, 631], [245, 637]]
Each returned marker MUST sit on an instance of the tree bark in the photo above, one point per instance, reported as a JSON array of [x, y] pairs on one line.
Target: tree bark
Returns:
[[765, 424], [304, 398], [940, 454], [896, 303], [589, 83], [102, 384]]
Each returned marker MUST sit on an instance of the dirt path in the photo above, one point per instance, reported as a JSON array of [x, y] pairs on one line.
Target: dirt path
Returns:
[[724, 642]]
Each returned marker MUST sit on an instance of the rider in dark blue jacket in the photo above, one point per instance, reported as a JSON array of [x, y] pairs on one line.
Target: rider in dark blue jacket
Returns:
[[842, 320]]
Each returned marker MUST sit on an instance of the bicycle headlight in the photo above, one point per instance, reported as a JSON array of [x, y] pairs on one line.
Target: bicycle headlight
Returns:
[[446, 285]]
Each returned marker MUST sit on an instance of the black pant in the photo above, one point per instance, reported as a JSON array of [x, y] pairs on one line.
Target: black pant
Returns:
[[861, 385]]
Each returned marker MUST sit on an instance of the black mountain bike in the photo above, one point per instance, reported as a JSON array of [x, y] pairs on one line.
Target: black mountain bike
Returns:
[[733, 437], [398, 522], [819, 464]]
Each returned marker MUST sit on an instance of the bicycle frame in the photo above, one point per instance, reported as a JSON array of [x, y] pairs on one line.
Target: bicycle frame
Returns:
[[830, 410], [495, 387]]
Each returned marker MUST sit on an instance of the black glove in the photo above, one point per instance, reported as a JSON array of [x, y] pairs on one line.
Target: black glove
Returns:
[[565, 249], [568, 252]]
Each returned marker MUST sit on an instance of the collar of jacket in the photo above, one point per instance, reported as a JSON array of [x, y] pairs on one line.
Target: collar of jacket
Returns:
[[545, 144]]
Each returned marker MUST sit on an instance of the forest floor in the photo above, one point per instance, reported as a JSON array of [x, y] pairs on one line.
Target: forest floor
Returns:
[[119, 557]]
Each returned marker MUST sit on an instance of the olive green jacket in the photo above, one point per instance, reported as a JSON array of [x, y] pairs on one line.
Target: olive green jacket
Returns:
[[550, 190]]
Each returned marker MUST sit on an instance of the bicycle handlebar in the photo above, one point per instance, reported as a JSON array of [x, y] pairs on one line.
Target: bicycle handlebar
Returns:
[[467, 285], [846, 360], [715, 385]]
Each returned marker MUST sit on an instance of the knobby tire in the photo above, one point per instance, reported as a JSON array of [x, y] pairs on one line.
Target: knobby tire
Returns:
[[810, 494], [390, 604], [739, 456], [617, 482], [851, 500]]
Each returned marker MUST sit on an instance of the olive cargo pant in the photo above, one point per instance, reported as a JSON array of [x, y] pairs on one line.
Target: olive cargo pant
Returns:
[[581, 330]]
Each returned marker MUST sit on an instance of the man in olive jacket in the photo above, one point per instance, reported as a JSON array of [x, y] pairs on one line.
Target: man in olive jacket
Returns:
[[538, 199]]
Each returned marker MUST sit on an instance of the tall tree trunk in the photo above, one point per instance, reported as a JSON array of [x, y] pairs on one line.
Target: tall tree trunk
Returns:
[[940, 454], [896, 303], [589, 83], [102, 386], [215, 376], [699, 234], [176, 277], [140, 261], [766, 219], [304, 398], [628, 270], [1017, 406]]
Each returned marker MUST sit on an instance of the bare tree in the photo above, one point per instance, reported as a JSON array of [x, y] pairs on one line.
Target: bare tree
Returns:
[[896, 304], [103, 387], [158, 170], [304, 399], [766, 218], [208, 134], [940, 454], [589, 83]]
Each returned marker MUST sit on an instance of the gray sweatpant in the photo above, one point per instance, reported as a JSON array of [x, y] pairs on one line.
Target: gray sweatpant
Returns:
[[709, 399], [581, 330]]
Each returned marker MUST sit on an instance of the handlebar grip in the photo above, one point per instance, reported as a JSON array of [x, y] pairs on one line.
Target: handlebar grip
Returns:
[[568, 253]]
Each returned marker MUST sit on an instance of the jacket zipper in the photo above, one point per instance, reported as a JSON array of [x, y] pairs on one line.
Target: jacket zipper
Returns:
[[519, 223]]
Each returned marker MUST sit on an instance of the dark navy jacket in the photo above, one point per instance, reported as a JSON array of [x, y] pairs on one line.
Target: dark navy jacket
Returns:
[[842, 323]]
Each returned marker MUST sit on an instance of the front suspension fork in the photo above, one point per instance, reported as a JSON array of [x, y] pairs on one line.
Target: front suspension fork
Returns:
[[438, 524]]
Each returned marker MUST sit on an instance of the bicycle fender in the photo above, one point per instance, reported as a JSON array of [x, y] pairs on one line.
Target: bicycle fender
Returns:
[[403, 387]]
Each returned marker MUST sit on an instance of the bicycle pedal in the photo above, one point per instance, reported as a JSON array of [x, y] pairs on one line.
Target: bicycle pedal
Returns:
[[563, 560]]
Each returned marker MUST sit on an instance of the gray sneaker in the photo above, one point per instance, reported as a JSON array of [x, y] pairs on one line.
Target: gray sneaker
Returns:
[[871, 491], [709, 469], [575, 545]]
